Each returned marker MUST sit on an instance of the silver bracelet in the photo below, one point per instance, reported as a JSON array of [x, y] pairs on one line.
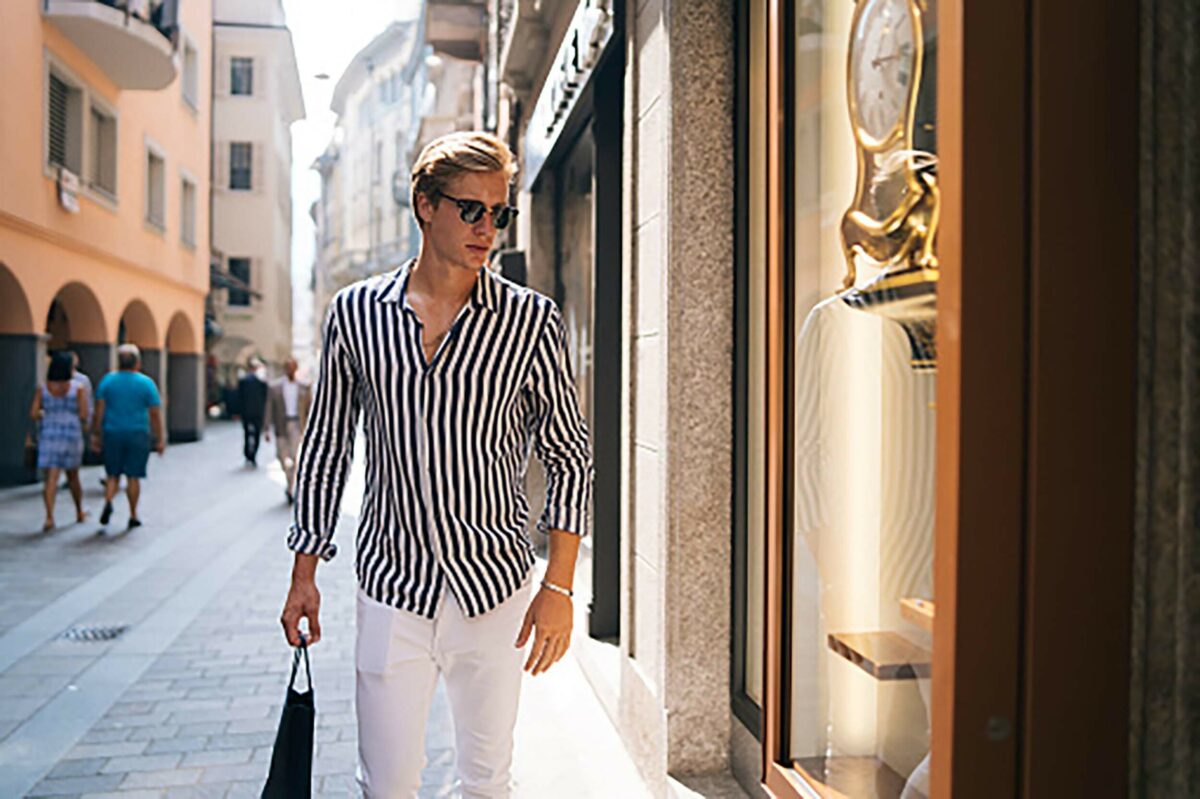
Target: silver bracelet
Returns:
[[558, 589]]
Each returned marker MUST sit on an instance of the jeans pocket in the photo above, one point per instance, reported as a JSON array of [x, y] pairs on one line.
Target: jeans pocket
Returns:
[[373, 640]]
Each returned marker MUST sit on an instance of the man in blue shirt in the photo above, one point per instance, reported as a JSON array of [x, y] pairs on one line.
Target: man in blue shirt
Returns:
[[127, 405]]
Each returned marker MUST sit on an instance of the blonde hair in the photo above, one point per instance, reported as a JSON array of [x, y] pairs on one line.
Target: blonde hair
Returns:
[[453, 154]]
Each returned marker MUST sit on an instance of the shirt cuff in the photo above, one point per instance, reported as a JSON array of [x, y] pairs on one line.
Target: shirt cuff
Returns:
[[308, 543], [568, 520]]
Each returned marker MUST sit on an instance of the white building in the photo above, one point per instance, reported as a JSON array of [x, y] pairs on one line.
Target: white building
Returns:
[[256, 98], [363, 220]]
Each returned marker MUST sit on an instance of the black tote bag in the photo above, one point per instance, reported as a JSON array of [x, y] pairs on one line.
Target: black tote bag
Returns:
[[290, 776]]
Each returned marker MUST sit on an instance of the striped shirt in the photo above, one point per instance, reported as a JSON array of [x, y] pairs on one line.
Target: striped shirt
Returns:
[[447, 442]]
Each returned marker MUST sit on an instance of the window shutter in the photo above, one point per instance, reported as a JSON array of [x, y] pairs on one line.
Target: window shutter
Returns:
[[57, 137], [220, 165], [257, 176], [223, 67]]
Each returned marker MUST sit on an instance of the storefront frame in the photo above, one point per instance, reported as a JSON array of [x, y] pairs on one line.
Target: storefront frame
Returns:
[[1013, 713]]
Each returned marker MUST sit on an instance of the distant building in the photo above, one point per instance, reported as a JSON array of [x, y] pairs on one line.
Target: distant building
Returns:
[[363, 220], [103, 203], [256, 98]]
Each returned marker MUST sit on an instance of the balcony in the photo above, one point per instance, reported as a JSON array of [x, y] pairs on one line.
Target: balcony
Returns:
[[457, 28], [132, 41]]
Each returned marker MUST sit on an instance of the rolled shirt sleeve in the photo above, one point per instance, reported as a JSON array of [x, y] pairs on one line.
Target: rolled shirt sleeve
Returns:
[[560, 433], [327, 446]]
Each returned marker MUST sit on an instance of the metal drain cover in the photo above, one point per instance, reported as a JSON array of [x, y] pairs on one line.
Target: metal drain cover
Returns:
[[95, 633]]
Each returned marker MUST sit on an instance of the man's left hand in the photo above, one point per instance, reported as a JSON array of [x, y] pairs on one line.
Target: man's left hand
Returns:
[[549, 618]]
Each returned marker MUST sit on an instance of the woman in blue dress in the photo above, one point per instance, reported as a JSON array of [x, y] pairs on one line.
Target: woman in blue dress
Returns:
[[61, 405]]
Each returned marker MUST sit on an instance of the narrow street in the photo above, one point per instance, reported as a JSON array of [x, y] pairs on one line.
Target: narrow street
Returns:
[[151, 664]]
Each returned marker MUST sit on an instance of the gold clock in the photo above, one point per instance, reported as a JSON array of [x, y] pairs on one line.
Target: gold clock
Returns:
[[893, 217]]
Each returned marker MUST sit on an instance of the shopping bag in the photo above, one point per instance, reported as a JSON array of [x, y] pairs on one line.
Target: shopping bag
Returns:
[[290, 776]]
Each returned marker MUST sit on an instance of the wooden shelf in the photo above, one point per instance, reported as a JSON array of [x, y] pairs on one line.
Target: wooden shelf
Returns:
[[918, 611], [883, 655], [850, 777]]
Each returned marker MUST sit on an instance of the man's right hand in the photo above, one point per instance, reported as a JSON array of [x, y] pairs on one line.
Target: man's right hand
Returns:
[[303, 602]]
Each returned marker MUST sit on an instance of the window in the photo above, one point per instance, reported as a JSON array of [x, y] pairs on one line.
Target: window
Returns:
[[191, 74], [377, 168], [102, 151], [240, 269], [241, 76], [64, 122], [187, 212], [156, 189], [241, 158]]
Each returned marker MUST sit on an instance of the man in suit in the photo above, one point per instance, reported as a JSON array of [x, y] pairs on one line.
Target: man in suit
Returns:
[[252, 399], [288, 401]]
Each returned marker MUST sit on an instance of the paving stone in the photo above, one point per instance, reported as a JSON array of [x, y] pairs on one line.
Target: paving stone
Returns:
[[153, 732], [250, 739], [113, 749], [161, 779], [183, 745], [202, 728], [218, 757], [158, 762], [244, 771], [196, 792], [244, 790], [152, 793], [254, 725], [84, 767], [105, 736], [73, 786]]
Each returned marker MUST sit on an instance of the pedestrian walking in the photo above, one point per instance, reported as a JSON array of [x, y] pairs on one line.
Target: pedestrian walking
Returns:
[[128, 412], [457, 374], [61, 407], [288, 403], [252, 402]]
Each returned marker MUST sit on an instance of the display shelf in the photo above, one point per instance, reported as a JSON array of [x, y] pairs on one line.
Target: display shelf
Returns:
[[918, 611], [850, 777], [883, 655]]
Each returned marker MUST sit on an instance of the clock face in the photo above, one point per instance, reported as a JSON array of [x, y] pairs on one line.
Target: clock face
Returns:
[[882, 66]]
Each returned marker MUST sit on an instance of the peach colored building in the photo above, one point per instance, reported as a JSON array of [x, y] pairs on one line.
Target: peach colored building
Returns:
[[104, 224]]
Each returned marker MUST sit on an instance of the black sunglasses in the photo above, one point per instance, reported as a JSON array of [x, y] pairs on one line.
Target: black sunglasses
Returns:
[[471, 211]]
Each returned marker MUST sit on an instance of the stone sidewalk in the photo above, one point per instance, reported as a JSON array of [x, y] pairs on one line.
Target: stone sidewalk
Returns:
[[185, 701]]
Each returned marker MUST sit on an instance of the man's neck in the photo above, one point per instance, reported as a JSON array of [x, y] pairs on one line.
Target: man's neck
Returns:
[[441, 281]]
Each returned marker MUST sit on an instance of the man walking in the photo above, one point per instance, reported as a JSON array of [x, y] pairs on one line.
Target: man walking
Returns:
[[288, 403], [457, 373], [252, 400], [128, 407]]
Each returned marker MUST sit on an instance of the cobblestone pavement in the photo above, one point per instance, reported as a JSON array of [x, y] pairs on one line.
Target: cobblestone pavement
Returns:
[[184, 703]]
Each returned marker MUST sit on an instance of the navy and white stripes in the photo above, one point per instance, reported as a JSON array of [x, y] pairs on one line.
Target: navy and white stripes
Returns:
[[447, 443]]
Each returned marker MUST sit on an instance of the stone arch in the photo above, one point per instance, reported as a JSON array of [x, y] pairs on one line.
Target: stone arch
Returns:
[[181, 337], [75, 317], [22, 363], [137, 326], [16, 318]]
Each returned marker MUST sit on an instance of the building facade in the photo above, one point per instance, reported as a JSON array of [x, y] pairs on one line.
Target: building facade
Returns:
[[256, 98], [103, 207], [364, 222]]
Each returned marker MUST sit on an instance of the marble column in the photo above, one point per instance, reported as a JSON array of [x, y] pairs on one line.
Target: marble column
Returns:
[[23, 364], [152, 367]]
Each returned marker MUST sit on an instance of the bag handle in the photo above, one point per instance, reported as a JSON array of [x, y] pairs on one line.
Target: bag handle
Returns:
[[303, 648]]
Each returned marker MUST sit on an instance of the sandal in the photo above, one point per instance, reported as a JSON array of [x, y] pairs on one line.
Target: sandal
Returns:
[[48, 526]]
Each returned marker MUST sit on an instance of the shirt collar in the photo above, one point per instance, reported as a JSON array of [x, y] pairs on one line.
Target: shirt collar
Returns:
[[395, 288]]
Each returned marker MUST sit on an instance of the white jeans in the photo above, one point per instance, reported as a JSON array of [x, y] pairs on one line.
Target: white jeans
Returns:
[[399, 656]]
